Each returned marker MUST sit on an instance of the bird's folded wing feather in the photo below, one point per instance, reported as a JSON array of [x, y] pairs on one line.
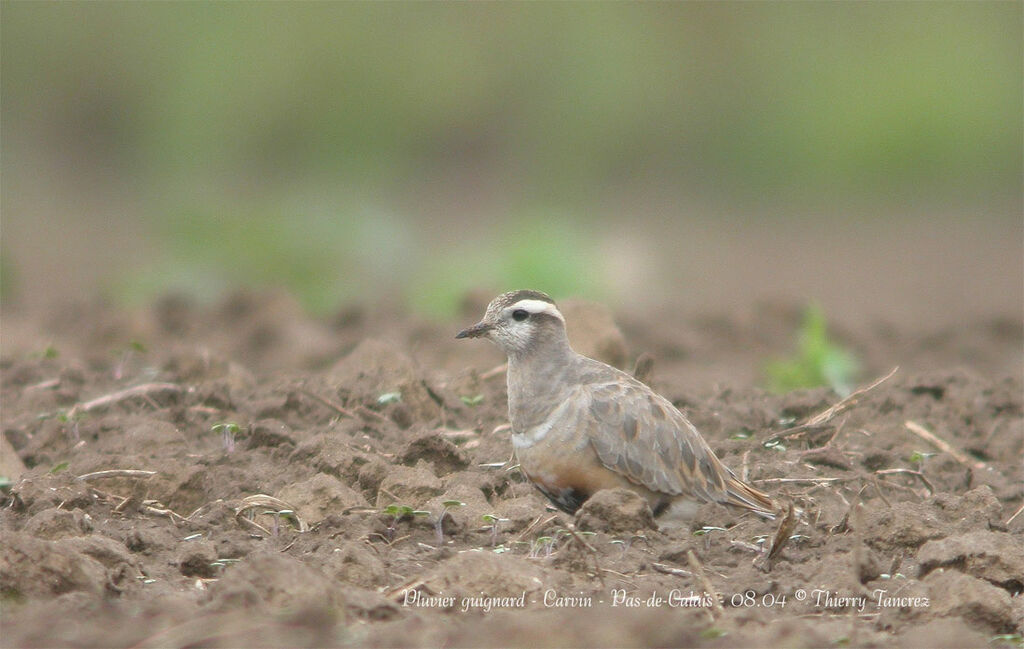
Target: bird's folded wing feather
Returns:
[[642, 436]]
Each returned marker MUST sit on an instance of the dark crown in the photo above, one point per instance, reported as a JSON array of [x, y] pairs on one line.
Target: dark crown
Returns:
[[510, 298]]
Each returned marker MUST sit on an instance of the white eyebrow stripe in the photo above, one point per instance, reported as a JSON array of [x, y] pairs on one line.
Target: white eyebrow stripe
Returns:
[[537, 306]]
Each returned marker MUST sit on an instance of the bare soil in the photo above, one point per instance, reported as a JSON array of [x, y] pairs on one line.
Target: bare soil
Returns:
[[900, 542]]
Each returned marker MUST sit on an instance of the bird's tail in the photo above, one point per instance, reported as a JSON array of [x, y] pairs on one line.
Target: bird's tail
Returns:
[[743, 495]]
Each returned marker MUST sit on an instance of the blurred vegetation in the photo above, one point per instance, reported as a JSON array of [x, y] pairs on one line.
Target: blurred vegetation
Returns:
[[531, 252], [817, 360], [307, 144]]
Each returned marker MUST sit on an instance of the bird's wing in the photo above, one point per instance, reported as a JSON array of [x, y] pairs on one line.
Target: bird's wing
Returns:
[[642, 436]]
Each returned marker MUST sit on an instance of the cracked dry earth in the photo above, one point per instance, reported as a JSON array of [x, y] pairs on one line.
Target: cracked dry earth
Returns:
[[222, 476]]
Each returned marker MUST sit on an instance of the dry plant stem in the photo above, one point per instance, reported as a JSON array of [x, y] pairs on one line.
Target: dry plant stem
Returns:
[[412, 584], [147, 506], [531, 526], [749, 547], [917, 474], [203, 508], [643, 368], [456, 435], [268, 502], [782, 534], [123, 505], [366, 413], [344, 412], [246, 522], [849, 401], [158, 511], [44, 385], [360, 510], [851, 478], [705, 583], [943, 445], [668, 570], [624, 578], [494, 371], [1015, 515], [826, 415], [805, 480], [116, 473], [136, 391], [878, 488], [592, 552]]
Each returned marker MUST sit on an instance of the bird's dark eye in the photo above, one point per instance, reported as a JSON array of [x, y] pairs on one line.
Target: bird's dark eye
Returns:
[[520, 314]]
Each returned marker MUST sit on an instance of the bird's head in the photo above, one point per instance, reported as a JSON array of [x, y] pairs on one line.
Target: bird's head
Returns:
[[520, 322]]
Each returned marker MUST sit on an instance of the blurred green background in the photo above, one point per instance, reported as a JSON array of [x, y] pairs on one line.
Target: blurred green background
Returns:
[[866, 155]]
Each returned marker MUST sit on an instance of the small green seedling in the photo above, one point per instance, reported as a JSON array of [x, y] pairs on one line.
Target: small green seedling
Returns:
[[282, 514], [61, 466], [918, 458], [706, 533], [711, 633], [50, 352], [742, 434], [546, 543], [775, 445], [817, 361], [439, 525], [493, 522], [472, 401], [227, 431], [389, 397], [397, 513], [707, 529], [1009, 638], [70, 421], [134, 347]]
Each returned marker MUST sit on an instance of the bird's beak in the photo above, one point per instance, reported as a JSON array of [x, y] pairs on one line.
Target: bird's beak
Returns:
[[477, 330]]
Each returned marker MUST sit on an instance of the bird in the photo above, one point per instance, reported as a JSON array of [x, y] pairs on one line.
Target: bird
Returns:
[[580, 425]]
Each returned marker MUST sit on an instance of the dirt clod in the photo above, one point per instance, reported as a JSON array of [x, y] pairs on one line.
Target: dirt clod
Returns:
[[981, 605], [408, 485], [56, 523], [31, 567], [196, 558], [996, 557], [438, 451], [321, 495], [270, 432], [615, 511]]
